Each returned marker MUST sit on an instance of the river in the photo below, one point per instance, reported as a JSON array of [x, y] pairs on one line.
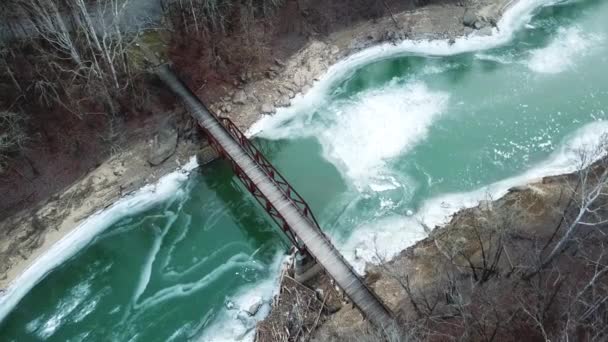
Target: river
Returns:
[[389, 138]]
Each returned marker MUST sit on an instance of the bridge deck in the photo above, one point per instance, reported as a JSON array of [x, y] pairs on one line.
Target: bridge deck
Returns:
[[313, 239]]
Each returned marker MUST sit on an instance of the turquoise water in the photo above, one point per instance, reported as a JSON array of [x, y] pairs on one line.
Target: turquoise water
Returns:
[[375, 149]]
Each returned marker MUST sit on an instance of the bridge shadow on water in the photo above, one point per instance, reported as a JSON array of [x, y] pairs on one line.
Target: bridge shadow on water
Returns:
[[251, 220]]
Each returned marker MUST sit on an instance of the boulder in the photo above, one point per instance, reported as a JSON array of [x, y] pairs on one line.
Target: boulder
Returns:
[[229, 305], [267, 108], [255, 307], [519, 188], [290, 86], [320, 294], [283, 101], [470, 18], [486, 31], [240, 97], [163, 144], [300, 78]]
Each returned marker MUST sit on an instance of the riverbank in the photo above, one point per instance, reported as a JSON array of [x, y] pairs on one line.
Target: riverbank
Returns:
[[442, 276]]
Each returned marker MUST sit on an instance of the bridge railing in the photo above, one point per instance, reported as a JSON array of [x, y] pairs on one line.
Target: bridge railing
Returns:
[[269, 169]]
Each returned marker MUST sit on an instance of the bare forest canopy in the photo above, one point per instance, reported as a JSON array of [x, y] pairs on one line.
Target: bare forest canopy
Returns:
[[73, 84]]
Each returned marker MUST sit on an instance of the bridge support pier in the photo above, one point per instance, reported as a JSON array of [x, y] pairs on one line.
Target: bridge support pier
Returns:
[[306, 267], [206, 155]]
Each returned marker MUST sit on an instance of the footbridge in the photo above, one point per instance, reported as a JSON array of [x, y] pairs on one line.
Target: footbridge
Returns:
[[284, 205]]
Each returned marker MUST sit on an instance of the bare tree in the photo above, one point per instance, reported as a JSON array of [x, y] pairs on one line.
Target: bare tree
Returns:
[[84, 46], [588, 208], [13, 136]]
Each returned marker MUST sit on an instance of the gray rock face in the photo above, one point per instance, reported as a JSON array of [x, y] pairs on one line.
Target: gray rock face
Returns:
[[164, 144], [469, 19], [240, 97]]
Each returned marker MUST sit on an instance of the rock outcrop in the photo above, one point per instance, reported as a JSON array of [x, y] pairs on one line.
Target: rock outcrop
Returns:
[[163, 144]]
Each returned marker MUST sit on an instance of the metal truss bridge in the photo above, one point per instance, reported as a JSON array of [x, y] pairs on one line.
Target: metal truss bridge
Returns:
[[280, 200]]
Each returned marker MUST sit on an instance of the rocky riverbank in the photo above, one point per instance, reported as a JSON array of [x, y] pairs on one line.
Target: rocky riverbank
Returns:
[[30, 233], [261, 93], [499, 237]]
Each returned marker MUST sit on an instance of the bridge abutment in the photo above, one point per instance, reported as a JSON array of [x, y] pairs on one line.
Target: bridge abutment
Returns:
[[306, 267]]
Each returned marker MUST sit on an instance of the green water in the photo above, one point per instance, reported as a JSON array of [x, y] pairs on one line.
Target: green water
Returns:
[[388, 143]]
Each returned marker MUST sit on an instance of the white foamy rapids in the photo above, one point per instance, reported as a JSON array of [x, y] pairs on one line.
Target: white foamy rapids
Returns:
[[377, 126], [45, 326], [82, 235], [234, 322], [513, 19], [384, 239], [563, 51]]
